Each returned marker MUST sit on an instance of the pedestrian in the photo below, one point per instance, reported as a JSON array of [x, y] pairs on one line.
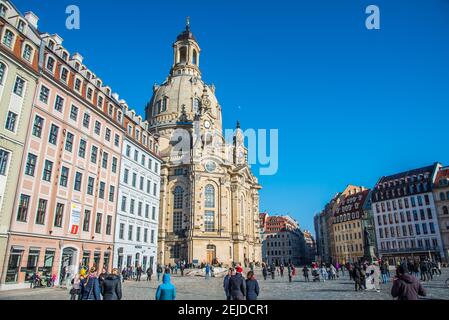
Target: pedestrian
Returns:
[[182, 267], [439, 268], [102, 276], [305, 272], [252, 286], [90, 287], [75, 290], [323, 272], [138, 272], [124, 273], [290, 272], [372, 276], [383, 271], [264, 271], [166, 290], [273, 270], [226, 279], [111, 287], [281, 269], [149, 273], [406, 287], [159, 272], [333, 272], [207, 272], [358, 278], [237, 285]]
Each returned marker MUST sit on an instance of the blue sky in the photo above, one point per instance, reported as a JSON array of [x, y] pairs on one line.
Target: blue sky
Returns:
[[350, 104]]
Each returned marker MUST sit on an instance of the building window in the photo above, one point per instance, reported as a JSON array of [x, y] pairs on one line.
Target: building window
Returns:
[[89, 93], [177, 221], [69, 142], [78, 85], [102, 190], [134, 182], [50, 64], [209, 221], [27, 52], [125, 176], [132, 205], [445, 210], [152, 236], [19, 86], [53, 138], [22, 211], [90, 186], [64, 177], [210, 196], [82, 149], [30, 165], [3, 11], [147, 211], [78, 181], [86, 221], [98, 223], [4, 156], [114, 165], [41, 210], [154, 189], [97, 127], [44, 94], [2, 72], [38, 126], [64, 74], [117, 140], [145, 235], [139, 209], [107, 135], [48, 168], [108, 225], [8, 39], [11, 121], [74, 113], [100, 102], [86, 120], [111, 193], [153, 214], [123, 203], [130, 232], [138, 234], [59, 103], [93, 154], [105, 160], [59, 214], [121, 233], [178, 198]]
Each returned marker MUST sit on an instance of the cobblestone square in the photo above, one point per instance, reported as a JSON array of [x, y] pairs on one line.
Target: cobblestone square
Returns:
[[198, 288]]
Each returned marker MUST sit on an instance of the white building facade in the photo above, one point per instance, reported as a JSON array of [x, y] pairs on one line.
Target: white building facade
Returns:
[[136, 229], [405, 216]]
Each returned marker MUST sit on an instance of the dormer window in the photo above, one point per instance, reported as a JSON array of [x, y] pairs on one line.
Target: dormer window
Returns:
[[110, 110], [51, 45], [3, 10], [77, 66], [21, 26], [64, 74], [108, 92], [137, 134], [89, 75], [8, 39], [27, 52], [98, 83], [130, 130], [89, 93], [50, 64], [119, 117], [78, 85], [65, 55]]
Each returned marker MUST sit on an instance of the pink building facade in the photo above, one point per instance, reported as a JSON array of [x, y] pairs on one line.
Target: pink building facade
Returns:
[[65, 207]]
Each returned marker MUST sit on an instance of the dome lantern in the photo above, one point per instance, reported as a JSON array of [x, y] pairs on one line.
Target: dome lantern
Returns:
[[186, 53]]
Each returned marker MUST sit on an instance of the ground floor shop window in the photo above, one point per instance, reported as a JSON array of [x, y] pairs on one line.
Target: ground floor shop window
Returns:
[[129, 260], [33, 259], [15, 258], [97, 257], [106, 259], [144, 263], [86, 259], [48, 262]]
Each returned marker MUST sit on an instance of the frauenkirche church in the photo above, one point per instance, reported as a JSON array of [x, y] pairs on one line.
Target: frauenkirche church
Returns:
[[209, 209]]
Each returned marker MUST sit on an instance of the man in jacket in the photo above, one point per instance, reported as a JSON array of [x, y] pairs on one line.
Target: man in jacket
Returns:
[[90, 287], [406, 287], [166, 290], [149, 273], [237, 285], [226, 279], [111, 287]]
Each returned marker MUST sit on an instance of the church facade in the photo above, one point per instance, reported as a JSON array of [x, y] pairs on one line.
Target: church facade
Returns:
[[209, 205]]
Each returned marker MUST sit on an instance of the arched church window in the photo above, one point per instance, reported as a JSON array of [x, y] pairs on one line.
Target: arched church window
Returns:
[[195, 57], [164, 102], [183, 55], [178, 195], [210, 196]]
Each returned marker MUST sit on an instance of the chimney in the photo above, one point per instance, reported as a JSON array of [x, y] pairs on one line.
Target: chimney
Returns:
[[57, 38], [31, 18], [77, 57]]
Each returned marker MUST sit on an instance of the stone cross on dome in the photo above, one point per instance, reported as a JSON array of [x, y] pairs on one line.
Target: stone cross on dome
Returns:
[[188, 23]]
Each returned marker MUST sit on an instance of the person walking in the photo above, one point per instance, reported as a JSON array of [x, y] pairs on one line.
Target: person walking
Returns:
[[406, 287], [149, 273], [333, 272], [252, 286], [159, 272], [124, 274], [207, 271], [182, 267], [290, 272], [237, 285], [90, 287], [305, 272], [102, 276], [273, 270], [111, 287], [323, 272], [226, 279], [383, 271], [75, 290], [138, 272], [357, 276], [166, 290], [264, 271], [281, 269]]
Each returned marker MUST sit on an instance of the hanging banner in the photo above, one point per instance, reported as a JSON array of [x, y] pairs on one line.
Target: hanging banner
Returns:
[[75, 217]]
